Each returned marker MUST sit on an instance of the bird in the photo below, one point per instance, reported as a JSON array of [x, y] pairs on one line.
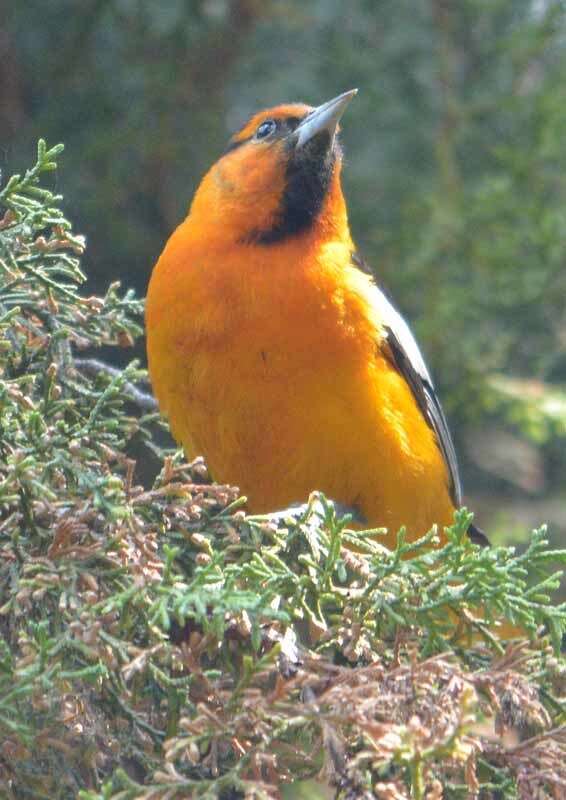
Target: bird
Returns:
[[275, 354]]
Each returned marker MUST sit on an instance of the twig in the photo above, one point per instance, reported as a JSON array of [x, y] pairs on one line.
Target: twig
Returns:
[[93, 367]]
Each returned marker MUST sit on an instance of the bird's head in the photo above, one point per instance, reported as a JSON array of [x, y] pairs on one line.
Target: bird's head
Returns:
[[279, 176]]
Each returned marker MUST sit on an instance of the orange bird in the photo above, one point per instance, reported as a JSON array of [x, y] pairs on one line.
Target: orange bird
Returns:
[[276, 356]]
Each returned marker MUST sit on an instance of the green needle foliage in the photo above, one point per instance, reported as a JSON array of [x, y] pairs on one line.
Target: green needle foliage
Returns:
[[159, 644]]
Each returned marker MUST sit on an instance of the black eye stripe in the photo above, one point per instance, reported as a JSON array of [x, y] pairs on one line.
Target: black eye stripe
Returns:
[[292, 122], [285, 125]]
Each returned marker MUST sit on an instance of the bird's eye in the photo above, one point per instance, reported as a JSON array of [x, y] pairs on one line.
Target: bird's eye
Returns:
[[265, 129]]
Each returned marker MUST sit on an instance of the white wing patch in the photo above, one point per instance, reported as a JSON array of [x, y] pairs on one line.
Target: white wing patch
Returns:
[[409, 361]]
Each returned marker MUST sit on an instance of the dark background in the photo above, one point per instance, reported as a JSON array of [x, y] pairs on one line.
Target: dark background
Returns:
[[455, 175]]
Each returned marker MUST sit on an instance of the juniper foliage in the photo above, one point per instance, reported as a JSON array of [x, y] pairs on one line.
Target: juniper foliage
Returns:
[[157, 643]]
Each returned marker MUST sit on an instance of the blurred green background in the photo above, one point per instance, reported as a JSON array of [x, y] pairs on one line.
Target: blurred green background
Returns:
[[455, 175]]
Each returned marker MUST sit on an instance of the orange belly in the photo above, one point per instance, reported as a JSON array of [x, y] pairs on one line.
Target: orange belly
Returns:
[[348, 435], [292, 394]]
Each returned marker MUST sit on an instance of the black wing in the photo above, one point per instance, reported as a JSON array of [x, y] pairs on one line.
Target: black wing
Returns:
[[405, 355]]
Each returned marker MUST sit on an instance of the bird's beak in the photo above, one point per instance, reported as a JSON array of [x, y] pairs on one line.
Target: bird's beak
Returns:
[[323, 118]]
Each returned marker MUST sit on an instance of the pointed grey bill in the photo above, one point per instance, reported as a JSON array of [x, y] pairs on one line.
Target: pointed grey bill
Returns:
[[323, 118]]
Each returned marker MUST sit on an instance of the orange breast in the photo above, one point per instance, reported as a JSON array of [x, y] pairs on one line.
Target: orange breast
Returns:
[[268, 364]]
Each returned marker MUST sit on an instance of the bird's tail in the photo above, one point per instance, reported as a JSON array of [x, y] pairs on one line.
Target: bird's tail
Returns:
[[477, 536]]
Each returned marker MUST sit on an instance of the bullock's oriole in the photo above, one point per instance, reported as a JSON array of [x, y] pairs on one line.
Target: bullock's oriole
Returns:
[[276, 356]]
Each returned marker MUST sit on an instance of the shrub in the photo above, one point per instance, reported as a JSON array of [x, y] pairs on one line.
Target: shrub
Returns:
[[159, 643]]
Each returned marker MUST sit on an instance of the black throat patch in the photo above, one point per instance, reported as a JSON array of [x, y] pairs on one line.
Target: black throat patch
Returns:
[[307, 179]]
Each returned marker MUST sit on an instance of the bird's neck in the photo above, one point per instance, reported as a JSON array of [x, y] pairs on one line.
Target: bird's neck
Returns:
[[222, 232], [238, 288]]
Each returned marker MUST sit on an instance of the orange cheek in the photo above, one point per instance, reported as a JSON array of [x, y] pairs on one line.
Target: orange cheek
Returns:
[[222, 180], [249, 185]]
